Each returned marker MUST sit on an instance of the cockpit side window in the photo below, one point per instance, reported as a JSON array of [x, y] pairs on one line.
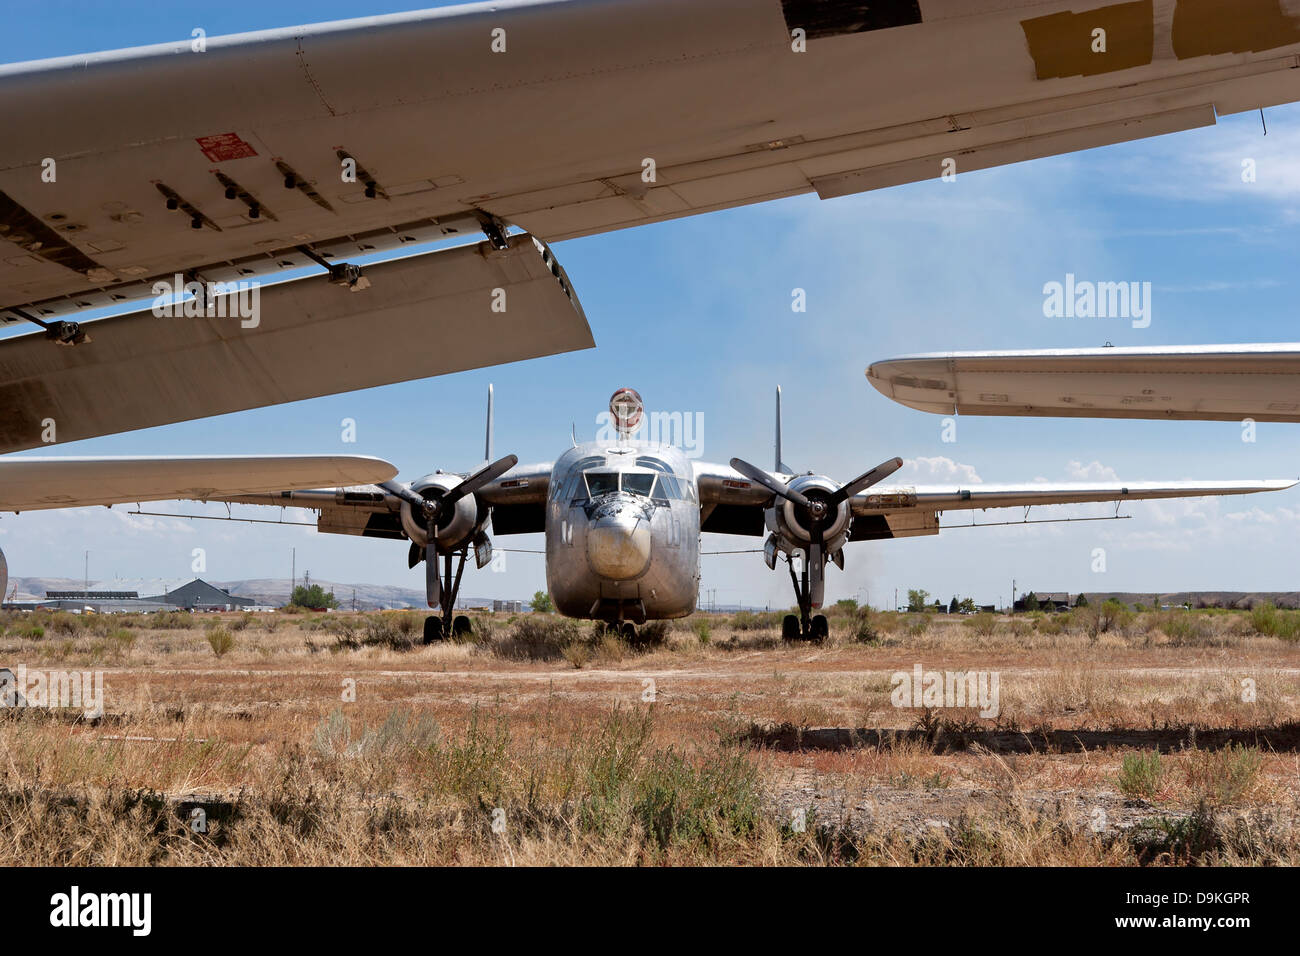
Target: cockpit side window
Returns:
[[572, 484], [668, 488]]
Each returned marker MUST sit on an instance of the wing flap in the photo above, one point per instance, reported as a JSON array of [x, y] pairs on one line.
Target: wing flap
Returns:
[[421, 316]]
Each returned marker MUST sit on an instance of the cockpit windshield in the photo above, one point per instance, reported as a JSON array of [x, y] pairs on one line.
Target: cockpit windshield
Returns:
[[601, 483], [638, 483], [634, 483]]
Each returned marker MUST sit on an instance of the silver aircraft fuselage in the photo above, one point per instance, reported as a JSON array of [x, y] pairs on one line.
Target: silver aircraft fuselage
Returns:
[[622, 532]]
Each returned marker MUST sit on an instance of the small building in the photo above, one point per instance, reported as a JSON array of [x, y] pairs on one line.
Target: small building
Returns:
[[507, 607], [199, 595], [1047, 601]]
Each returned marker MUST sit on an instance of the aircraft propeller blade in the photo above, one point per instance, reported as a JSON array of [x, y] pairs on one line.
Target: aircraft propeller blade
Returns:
[[399, 490], [865, 480], [432, 582], [778, 488], [478, 479], [816, 570]]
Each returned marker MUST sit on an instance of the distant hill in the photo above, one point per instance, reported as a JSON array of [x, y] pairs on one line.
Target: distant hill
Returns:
[[368, 596], [274, 591], [33, 589], [1237, 599]]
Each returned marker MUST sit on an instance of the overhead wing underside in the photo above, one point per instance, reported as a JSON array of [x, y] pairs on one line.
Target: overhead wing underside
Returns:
[[573, 118], [461, 308], [1211, 382], [33, 484]]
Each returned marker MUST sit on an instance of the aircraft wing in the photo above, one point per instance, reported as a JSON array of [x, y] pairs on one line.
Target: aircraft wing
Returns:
[[885, 512], [517, 499], [569, 118], [732, 504], [33, 484], [1201, 382]]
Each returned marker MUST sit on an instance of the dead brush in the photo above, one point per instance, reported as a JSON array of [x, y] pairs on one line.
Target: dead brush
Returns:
[[1224, 777], [537, 637], [397, 632], [221, 641]]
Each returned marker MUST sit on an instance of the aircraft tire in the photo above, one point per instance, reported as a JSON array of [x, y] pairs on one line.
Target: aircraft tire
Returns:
[[821, 629], [790, 628], [432, 629]]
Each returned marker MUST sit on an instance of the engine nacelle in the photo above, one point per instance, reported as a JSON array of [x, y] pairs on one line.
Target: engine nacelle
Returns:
[[456, 525], [4, 578], [785, 520]]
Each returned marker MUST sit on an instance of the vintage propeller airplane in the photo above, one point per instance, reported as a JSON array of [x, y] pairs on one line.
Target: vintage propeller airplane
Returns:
[[623, 518]]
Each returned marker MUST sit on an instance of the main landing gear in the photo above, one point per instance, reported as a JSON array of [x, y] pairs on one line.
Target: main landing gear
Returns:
[[448, 624], [806, 626]]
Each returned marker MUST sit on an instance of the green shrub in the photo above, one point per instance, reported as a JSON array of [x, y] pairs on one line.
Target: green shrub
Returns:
[[170, 621], [700, 627], [1267, 619], [865, 629], [1141, 775]]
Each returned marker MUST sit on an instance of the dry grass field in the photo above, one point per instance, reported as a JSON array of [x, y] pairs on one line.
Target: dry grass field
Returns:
[[1119, 738]]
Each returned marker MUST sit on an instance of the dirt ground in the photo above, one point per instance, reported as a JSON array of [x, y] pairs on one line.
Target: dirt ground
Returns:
[[1120, 744]]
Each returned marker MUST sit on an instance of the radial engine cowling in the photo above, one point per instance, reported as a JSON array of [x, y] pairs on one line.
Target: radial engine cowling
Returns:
[[790, 522], [456, 525]]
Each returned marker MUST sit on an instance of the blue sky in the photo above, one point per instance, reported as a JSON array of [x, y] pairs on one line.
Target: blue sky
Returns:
[[696, 315]]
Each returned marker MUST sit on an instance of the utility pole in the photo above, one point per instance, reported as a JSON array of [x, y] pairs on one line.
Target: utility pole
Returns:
[[87, 578], [293, 573]]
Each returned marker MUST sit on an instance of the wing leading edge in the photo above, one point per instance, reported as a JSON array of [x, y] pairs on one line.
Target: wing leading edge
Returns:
[[33, 484]]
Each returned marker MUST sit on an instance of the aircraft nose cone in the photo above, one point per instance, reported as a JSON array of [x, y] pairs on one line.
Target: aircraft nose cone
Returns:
[[618, 546]]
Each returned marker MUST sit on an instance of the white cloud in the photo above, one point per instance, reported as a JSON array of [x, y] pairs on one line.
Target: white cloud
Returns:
[[938, 469], [1094, 471]]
